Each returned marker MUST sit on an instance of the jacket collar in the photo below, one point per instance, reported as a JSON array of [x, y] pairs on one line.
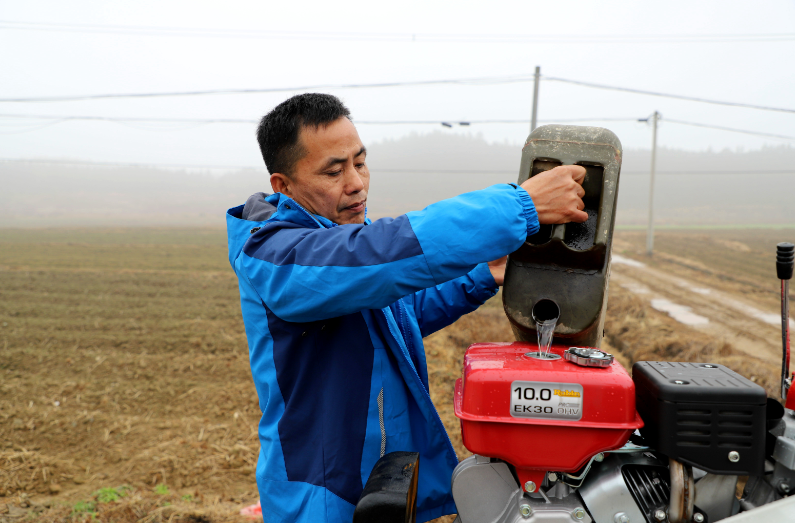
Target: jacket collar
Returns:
[[285, 210], [289, 210]]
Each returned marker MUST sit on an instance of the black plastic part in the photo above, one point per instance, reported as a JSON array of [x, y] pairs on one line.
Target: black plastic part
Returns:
[[774, 411], [698, 413], [785, 254], [390, 494]]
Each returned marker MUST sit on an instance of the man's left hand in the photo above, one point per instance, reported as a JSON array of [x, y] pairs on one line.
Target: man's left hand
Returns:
[[497, 268]]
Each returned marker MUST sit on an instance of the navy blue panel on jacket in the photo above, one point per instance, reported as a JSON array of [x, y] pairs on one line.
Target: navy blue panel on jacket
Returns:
[[324, 369]]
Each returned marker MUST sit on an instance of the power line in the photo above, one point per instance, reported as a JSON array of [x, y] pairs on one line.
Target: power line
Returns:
[[460, 81], [62, 118], [56, 119], [192, 123], [30, 128], [132, 164], [718, 172], [392, 37], [667, 95], [731, 129]]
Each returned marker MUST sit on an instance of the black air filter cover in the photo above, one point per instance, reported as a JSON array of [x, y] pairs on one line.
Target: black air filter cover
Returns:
[[699, 413]]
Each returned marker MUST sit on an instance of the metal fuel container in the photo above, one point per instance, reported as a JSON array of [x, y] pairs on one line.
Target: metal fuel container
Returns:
[[567, 264]]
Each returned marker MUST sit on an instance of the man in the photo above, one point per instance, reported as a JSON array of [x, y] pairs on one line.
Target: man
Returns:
[[335, 308]]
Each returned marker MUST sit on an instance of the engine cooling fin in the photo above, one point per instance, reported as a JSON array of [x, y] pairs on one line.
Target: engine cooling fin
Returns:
[[650, 488]]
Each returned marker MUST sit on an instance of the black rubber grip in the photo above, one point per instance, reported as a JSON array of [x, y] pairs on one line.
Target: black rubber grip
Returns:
[[785, 253], [390, 494]]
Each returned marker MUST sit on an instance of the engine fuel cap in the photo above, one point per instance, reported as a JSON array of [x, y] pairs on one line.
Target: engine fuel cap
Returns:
[[588, 357]]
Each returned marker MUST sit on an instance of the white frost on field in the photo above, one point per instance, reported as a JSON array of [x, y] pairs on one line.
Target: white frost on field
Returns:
[[765, 317], [689, 286], [628, 261], [680, 313], [769, 318]]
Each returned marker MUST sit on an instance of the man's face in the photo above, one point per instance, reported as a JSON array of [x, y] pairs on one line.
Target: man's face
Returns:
[[332, 179]]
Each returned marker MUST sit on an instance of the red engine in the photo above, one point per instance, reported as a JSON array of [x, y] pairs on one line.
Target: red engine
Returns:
[[542, 414]]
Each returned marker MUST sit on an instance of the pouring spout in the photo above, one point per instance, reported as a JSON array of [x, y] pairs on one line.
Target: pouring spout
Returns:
[[546, 314]]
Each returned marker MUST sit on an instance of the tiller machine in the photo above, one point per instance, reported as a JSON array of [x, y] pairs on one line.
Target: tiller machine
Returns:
[[562, 433]]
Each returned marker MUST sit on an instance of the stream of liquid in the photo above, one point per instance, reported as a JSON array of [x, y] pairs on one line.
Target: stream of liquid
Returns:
[[545, 329]]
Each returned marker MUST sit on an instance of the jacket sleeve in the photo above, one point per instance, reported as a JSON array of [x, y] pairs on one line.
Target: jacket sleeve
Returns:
[[439, 306], [306, 274]]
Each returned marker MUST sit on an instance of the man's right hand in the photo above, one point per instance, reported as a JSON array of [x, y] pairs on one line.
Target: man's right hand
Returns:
[[557, 194]]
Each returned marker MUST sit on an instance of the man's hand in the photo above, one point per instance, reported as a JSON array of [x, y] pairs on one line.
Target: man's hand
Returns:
[[497, 268], [557, 194]]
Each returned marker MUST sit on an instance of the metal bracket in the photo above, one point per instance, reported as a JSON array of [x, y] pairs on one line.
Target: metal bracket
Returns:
[[628, 448]]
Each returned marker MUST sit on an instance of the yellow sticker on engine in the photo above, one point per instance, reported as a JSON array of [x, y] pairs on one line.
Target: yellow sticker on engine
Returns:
[[535, 399]]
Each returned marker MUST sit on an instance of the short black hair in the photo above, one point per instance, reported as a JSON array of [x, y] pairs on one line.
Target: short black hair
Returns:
[[278, 131]]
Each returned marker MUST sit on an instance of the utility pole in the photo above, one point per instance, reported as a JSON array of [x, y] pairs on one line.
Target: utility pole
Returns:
[[650, 234], [533, 119]]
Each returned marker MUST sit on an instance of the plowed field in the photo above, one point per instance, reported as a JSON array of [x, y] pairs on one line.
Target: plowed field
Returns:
[[124, 370]]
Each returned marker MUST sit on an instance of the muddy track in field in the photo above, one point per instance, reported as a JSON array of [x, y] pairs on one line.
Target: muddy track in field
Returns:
[[747, 327]]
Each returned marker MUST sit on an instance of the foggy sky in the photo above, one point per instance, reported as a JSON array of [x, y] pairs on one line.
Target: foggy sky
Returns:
[[52, 62]]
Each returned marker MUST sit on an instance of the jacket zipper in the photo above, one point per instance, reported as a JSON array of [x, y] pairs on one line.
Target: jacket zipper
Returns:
[[422, 387], [404, 323], [381, 421]]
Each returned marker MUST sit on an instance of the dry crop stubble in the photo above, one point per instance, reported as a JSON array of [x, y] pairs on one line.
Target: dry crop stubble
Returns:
[[124, 362]]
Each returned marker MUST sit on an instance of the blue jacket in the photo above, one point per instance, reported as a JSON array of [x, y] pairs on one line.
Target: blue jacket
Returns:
[[335, 317]]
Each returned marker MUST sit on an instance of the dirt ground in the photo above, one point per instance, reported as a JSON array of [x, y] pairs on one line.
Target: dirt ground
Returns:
[[125, 392], [727, 278]]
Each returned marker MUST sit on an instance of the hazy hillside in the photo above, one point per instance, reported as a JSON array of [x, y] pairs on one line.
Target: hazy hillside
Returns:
[[418, 170], [407, 174]]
